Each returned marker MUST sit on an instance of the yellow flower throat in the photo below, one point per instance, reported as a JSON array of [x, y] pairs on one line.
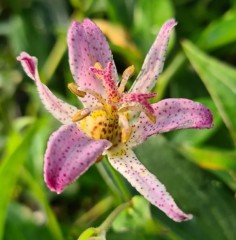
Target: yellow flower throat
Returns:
[[101, 124], [107, 122], [110, 120]]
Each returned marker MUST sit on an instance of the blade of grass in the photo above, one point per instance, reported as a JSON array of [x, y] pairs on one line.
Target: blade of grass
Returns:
[[40, 195], [10, 168], [219, 80]]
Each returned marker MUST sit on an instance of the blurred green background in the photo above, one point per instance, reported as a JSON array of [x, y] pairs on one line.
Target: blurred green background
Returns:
[[197, 167]]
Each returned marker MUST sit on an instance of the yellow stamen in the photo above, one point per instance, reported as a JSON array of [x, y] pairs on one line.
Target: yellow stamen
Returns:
[[125, 134], [126, 130], [128, 108], [98, 65], [80, 115], [74, 89], [97, 96], [127, 74], [151, 117]]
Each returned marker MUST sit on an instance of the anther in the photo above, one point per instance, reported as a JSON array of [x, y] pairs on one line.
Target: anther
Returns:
[[74, 89], [151, 117], [126, 130], [98, 66], [80, 115], [127, 74], [97, 96], [136, 108], [125, 134]]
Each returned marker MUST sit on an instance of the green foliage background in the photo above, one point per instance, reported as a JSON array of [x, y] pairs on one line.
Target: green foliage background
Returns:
[[197, 167]]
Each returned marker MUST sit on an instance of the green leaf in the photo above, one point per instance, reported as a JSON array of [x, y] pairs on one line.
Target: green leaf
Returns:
[[219, 33], [219, 80], [149, 17], [24, 224], [128, 236], [87, 234], [222, 163], [9, 171], [41, 198], [195, 191], [134, 217], [212, 159], [229, 177], [136, 222], [121, 11]]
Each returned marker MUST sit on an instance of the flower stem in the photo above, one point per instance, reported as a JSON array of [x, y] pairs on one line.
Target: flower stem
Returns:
[[99, 233], [118, 181], [110, 219], [107, 178], [95, 212]]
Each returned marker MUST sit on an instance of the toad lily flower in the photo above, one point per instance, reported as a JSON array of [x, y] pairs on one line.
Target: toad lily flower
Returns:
[[112, 121]]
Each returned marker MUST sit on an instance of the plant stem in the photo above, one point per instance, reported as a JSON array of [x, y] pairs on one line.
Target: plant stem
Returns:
[[118, 181], [110, 219], [95, 212], [99, 233], [103, 172]]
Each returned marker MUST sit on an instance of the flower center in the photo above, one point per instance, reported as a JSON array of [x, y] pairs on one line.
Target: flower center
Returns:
[[101, 124], [111, 119]]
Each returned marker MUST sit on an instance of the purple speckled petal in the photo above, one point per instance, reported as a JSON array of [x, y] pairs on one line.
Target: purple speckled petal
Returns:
[[147, 184], [171, 114], [87, 45], [154, 61], [69, 154], [58, 108]]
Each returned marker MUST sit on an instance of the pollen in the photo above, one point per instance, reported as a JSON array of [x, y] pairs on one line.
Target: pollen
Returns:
[[75, 90], [80, 115], [151, 117], [125, 134], [127, 74]]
